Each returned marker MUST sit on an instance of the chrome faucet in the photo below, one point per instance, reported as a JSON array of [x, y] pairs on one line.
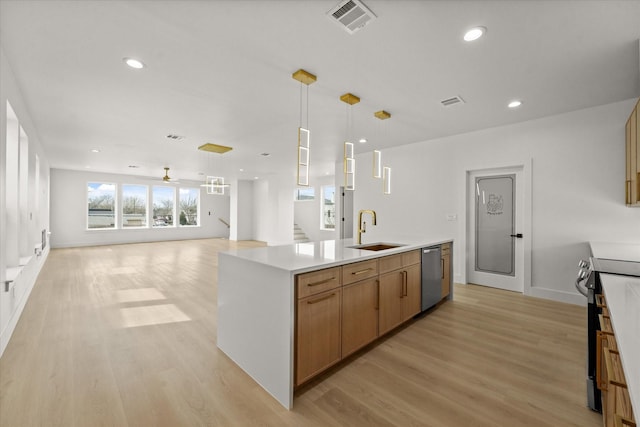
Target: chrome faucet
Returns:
[[362, 226]]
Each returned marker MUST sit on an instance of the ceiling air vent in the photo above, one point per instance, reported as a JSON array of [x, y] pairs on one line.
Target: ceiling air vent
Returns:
[[351, 15], [452, 101]]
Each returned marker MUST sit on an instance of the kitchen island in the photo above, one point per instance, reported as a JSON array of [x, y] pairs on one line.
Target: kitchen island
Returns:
[[257, 302]]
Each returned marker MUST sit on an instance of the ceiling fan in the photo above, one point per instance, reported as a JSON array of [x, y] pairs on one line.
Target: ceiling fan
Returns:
[[167, 178]]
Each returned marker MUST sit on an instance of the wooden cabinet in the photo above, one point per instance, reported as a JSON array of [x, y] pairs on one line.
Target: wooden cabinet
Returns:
[[391, 294], [357, 271], [359, 315], [446, 269], [318, 322], [318, 334], [339, 310], [411, 301], [400, 290], [632, 154], [616, 403]]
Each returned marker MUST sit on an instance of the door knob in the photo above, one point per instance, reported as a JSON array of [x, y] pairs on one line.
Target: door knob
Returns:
[[519, 235]]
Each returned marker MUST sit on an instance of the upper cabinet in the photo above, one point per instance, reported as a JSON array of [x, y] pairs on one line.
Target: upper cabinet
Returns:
[[632, 183]]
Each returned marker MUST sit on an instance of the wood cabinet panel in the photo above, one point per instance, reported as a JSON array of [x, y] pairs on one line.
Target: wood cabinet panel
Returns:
[[391, 291], [446, 273], [410, 258], [357, 271], [319, 281], [411, 300], [318, 334], [389, 263], [359, 315]]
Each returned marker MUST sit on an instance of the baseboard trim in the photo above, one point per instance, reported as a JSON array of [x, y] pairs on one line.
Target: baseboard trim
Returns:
[[556, 295]]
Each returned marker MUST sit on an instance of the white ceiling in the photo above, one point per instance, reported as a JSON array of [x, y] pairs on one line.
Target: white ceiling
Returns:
[[220, 72]]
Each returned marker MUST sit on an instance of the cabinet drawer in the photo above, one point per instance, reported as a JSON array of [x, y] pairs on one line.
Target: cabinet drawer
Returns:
[[318, 281], [395, 262], [390, 263], [411, 258], [359, 271]]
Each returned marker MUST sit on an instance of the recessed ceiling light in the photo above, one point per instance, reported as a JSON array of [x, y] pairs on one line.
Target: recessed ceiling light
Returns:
[[133, 63], [175, 137], [474, 34], [241, 170], [514, 104], [255, 177], [87, 167], [134, 166], [362, 140], [265, 154], [95, 150], [200, 173]]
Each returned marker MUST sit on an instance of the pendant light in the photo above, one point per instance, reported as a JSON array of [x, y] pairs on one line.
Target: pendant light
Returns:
[[377, 155], [304, 135], [214, 184], [349, 161]]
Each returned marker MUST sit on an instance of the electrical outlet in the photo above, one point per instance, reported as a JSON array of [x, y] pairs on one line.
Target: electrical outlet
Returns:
[[452, 217]]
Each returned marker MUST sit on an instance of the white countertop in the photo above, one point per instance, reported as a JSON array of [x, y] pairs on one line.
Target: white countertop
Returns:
[[619, 251], [301, 257], [623, 300]]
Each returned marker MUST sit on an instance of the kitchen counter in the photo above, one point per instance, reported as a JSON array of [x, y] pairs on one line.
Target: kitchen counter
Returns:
[[256, 303], [618, 251], [302, 257], [623, 300]]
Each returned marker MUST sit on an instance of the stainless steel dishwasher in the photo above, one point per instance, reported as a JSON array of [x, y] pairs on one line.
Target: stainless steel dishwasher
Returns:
[[431, 277]]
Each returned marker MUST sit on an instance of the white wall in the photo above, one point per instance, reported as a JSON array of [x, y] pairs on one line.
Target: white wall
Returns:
[[308, 214], [18, 258], [241, 212], [578, 170], [69, 213], [273, 209]]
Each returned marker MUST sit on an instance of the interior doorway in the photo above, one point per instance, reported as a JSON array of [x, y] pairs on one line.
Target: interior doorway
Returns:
[[346, 214], [496, 237]]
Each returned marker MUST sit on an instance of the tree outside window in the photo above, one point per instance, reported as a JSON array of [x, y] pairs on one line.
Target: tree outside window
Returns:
[[163, 206], [101, 205], [134, 205], [189, 206]]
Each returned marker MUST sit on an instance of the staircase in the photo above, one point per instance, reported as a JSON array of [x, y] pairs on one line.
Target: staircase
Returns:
[[298, 234]]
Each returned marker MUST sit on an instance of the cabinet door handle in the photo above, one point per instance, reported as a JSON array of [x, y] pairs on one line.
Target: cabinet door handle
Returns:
[[321, 299], [321, 282], [404, 284], [355, 273], [377, 294], [442, 262]]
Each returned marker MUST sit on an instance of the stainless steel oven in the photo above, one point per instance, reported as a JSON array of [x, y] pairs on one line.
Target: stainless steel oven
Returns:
[[588, 284]]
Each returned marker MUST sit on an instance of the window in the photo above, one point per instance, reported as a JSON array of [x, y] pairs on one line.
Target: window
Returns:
[[134, 205], [328, 208], [308, 193], [188, 204], [163, 206], [101, 201]]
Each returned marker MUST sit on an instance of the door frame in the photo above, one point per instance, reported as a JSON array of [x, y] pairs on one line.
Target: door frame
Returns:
[[526, 241]]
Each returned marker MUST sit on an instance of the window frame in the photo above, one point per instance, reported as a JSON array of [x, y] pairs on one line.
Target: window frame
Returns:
[[115, 206], [146, 206], [179, 207], [323, 224]]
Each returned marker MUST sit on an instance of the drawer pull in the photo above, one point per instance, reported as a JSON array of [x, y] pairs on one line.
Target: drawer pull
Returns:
[[321, 299], [321, 282], [355, 273]]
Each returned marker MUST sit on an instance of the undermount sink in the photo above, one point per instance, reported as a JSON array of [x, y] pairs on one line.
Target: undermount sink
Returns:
[[376, 246]]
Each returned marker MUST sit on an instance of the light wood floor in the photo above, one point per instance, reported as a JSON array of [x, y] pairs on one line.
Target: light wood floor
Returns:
[[126, 336]]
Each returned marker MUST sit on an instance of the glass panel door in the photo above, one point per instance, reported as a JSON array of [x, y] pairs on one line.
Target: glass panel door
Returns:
[[495, 246]]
